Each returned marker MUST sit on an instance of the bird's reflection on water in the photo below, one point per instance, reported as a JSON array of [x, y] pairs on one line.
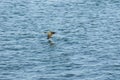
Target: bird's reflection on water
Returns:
[[51, 42]]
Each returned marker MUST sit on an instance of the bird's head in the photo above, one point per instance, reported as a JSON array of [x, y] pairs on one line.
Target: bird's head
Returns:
[[53, 32]]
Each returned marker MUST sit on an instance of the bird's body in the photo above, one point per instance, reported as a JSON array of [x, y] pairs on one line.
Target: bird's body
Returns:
[[49, 34]]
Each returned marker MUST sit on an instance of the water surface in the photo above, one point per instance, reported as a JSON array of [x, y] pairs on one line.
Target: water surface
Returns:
[[86, 43]]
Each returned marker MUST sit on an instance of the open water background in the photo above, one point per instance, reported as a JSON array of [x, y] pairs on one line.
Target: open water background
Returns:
[[86, 43]]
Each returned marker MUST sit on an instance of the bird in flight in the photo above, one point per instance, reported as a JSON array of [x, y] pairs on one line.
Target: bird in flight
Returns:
[[50, 34]]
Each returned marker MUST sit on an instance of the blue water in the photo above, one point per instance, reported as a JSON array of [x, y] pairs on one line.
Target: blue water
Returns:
[[86, 44]]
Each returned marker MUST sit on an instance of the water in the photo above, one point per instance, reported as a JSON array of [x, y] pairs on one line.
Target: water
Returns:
[[86, 44]]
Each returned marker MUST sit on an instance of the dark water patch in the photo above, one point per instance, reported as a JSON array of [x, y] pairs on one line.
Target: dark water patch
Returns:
[[68, 75], [51, 79]]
